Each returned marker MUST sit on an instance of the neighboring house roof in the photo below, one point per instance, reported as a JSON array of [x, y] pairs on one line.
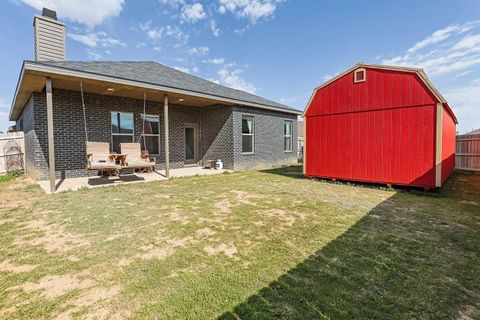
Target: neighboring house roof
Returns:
[[423, 76], [472, 132], [156, 74]]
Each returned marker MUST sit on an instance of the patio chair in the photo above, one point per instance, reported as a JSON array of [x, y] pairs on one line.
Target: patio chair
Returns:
[[98, 157], [135, 159]]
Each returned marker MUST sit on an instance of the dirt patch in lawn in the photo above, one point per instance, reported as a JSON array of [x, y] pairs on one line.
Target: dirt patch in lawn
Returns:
[[223, 206], [181, 242], [176, 215], [55, 286], [240, 197], [155, 252], [15, 268], [280, 214], [244, 197], [205, 233], [229, 250], [473, 203], [90, 298], [54, 237]]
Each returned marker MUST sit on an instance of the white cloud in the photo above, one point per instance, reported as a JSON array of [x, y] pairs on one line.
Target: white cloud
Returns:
[[468, 42], [445, 51], [199, 51], [253, 10], [172, 3], [436, 37], [155, 33], [464, 100], [216, 61], [330, 76], [193, 13], [4, 104], [94, 55], [451, 56], [215, 29], [157, 48], [88, 12], [232, 79], [96, 39], [182, 69]]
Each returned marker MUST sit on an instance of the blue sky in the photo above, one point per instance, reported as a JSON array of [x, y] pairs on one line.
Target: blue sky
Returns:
[[278, 49]]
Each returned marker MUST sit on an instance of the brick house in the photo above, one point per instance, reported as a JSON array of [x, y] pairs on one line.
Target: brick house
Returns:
[[197, 119]]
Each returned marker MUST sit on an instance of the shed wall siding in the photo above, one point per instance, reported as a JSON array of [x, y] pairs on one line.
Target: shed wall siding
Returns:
[[384, 146], [382, 90], [448, 147]]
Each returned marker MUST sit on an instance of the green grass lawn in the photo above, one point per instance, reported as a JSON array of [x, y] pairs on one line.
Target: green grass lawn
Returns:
[[247, 245]]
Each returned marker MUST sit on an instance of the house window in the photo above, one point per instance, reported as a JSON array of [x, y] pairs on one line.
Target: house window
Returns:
[[122, 129], [151, 132], [20, 127], [359, 75], [248, 131], [287, 136]]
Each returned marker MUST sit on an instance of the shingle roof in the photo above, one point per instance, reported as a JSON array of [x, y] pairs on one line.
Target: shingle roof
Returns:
[[473, 132], [157, 74]]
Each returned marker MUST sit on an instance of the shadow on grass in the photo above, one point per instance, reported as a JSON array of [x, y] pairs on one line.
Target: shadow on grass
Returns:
[[294, 171], [98, 181], [409, 257]]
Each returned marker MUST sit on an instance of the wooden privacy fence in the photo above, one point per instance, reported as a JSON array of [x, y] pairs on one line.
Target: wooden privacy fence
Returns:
[[467, 153], [12, 157]]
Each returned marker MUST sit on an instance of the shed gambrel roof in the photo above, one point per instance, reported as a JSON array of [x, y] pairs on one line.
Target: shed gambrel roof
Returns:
[[156, 74], [420, 72]]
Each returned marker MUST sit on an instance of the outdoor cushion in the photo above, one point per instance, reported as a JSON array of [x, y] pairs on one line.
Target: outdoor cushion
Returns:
[[98, 164], [140, 163]]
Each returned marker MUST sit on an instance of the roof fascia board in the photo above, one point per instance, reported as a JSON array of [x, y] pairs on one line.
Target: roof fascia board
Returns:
[[14, 101], [94, 76]]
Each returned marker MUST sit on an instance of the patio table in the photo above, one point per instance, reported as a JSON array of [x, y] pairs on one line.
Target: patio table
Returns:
[[118, 158]]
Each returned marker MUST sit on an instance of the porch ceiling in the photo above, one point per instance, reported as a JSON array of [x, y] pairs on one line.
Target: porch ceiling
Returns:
[[34, 81]]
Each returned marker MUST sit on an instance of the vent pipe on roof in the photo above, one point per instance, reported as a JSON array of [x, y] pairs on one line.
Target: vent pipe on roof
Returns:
[[49, 37]]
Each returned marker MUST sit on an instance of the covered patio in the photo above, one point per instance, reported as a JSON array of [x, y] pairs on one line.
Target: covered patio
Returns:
[[175, 120], [74, 184]]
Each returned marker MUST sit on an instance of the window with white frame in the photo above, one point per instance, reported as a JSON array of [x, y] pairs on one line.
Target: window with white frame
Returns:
[[288, 136], [122, 129], [360, 75], [151, 132], [248, 134]]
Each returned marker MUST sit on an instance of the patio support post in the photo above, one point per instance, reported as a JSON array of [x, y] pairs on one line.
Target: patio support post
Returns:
[[166, 148], [51, 147]]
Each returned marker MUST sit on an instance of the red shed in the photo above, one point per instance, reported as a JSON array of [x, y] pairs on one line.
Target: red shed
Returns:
[[381, 124]]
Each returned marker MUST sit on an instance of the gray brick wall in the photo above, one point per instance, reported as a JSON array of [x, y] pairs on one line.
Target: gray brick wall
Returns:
[[268, 139], [26, 118], [214, 126], [219, 132]]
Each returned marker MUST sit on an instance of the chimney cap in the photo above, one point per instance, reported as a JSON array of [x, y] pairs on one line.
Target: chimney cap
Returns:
[[49, 13]]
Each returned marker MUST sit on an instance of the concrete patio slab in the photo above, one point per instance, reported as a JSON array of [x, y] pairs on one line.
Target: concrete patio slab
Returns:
[[95, 182]]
